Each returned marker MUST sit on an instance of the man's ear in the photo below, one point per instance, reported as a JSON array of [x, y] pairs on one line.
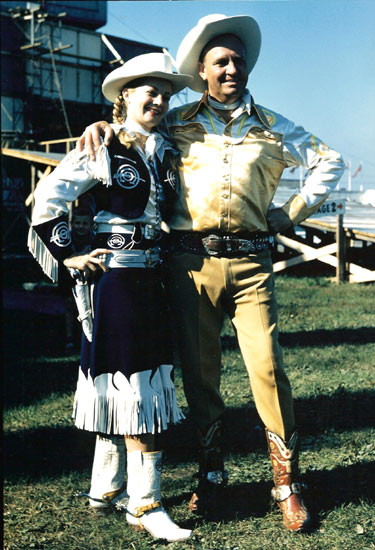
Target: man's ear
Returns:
[[202, 70]]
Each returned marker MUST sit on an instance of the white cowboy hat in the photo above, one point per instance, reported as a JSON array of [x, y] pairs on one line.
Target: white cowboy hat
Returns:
[[207, 28], [158, 65]]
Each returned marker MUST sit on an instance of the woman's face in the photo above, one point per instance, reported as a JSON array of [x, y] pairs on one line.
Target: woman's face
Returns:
[[148, 103]]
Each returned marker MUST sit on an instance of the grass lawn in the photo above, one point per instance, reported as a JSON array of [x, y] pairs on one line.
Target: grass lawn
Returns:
[[328, 336]]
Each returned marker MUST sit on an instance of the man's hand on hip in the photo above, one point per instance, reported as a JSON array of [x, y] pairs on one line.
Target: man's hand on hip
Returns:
[[278, 221]]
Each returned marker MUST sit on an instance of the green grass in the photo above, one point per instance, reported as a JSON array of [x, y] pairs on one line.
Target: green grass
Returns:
[[328, 336]]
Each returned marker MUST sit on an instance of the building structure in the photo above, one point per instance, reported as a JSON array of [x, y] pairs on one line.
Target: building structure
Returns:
[[53, 65], [54, 60]]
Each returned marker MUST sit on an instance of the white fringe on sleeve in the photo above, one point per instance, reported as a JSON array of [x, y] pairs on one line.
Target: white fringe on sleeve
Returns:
[[102, 170], [43, 256]]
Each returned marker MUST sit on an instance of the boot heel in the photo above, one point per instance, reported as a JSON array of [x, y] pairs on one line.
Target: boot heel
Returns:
[[136, 528], [134, 523]]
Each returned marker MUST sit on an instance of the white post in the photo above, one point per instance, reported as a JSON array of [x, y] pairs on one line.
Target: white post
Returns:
[[349, 175]]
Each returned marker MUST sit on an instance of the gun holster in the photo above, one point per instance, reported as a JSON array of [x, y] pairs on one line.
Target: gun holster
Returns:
[[81, 293]]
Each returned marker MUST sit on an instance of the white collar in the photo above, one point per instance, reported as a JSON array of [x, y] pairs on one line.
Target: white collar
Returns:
[[246, 101], [245, 105], [154, 143]]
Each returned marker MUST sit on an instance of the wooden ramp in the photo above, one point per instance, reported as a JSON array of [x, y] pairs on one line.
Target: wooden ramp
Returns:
[[47, 157], [39, 157]]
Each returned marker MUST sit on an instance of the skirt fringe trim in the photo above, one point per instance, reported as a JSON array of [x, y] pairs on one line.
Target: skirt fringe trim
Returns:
[[112, 404]]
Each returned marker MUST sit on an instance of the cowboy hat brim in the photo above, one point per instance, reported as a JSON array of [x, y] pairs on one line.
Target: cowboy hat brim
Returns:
[[189, 51], [154, 65]]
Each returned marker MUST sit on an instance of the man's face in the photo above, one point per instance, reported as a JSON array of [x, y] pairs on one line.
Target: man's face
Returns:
[[224, 68]]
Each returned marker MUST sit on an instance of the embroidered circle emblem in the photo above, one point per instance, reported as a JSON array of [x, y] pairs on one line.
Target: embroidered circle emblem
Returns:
[[116, 241], [171, 178], [61, 235], [158, 465], [127, 176]]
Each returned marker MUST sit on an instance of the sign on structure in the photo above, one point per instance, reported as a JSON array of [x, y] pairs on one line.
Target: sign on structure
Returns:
[[330, 208]]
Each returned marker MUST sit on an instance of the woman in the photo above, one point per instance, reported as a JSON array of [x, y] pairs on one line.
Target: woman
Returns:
[[124, 385]]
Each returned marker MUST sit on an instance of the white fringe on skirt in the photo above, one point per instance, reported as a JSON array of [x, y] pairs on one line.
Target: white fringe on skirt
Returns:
[[111, 404]]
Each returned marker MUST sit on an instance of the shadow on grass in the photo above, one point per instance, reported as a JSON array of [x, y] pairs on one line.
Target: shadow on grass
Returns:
[[27, 382], [326, 490], [47, 452], [27, 338], [314, 338], [27, 333], [52, 452], [243, 430]]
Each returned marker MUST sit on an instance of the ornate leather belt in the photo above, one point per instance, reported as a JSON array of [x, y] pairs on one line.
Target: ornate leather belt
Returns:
[[227, 245], [133, 258]]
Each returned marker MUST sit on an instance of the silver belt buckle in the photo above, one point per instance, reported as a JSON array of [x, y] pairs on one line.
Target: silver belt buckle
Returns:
[[205, 242]]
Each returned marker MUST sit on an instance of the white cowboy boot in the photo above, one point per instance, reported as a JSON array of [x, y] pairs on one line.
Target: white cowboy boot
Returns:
[[145, 510], [108, 474]]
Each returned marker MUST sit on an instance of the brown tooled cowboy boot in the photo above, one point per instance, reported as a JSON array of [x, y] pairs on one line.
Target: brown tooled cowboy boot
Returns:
[[212, 476], [287, 491]]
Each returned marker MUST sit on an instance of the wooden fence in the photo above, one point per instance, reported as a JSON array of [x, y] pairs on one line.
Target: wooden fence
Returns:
[[344, 249]]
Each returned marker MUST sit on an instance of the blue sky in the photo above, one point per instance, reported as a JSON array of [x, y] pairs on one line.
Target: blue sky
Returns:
[[316, 65]]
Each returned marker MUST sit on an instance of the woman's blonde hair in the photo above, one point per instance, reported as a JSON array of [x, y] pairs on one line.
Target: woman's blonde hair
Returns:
[[118, 117], [119, 110]]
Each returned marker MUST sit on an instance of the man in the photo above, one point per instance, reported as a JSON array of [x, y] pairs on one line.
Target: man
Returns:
[[233, 153]]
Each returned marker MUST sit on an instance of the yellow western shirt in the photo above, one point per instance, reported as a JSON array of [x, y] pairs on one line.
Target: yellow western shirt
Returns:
[[230, 171]]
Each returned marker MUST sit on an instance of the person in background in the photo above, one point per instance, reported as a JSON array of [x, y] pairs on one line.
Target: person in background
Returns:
[[233, 153], [125, 386]]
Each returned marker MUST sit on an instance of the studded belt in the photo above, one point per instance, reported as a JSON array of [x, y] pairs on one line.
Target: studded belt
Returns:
[[226, 245]]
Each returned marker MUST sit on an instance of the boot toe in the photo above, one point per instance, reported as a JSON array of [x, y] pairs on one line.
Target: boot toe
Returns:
[[159, 525], [296, 516]]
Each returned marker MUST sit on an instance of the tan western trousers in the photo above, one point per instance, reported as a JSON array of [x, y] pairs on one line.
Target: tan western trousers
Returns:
[[229, 174]]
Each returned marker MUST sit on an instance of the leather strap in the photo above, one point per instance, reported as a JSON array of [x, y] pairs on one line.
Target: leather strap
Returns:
[[138, 512], [108, 497], [282, 492]]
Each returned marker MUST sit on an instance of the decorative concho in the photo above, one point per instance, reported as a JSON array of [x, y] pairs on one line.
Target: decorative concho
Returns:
[[171, 178], [61, 235], [127, 176], [116, 241]]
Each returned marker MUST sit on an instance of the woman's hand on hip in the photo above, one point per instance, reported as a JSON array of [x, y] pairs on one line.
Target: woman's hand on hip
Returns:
[[87, 263]]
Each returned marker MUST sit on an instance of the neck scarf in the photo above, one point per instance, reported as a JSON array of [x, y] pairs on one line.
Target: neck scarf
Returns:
[[223, 106]]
